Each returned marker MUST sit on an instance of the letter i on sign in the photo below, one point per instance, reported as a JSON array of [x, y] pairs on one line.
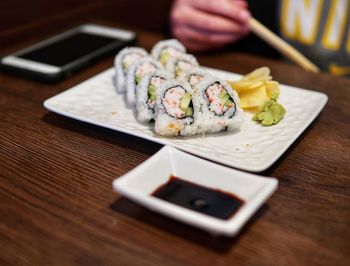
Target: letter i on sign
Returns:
[[336, 24]]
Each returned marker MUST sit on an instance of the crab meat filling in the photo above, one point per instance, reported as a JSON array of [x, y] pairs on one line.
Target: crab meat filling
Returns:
[[195, 79], [183, 67], [129, 59], [218, 98], [155, 83], [167, 53], [171, 101], [142, 70]]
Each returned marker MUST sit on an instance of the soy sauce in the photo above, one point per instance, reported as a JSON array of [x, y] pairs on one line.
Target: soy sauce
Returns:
[[207, 201]]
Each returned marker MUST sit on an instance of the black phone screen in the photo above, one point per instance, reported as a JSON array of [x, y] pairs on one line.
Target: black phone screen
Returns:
[[69, 49]]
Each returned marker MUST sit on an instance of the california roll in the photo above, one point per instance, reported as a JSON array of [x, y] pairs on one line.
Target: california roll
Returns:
[[123, 61]]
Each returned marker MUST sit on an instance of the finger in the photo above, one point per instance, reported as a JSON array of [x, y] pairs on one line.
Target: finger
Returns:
[[209, 22], [205, 37], [241, 3], [199, 44], [190, 44], [226, 8]]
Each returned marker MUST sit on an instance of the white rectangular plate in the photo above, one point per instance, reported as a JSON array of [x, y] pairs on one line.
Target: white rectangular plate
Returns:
[[142, 181], [254, 148]]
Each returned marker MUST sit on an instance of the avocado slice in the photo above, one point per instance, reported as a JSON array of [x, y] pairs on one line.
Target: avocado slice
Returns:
[[223, 93], [178, 71], [189, 111], [228, 103], [124, 66], [164, 58], [138, 79], [185, 101], [152, 90], [225, 98]]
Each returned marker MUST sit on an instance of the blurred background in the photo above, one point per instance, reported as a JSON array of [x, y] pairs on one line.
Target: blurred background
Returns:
[[21, 20], [44, 17]]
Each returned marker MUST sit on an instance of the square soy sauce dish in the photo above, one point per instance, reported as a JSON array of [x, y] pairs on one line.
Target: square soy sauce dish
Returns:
[[192, 190]]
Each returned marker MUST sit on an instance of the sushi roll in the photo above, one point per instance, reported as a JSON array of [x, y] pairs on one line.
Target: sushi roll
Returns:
[[135, 75], [195, 76], [174, 110], [124, 59], [181, 65], [146, 94], [218, 106], [165, 50]]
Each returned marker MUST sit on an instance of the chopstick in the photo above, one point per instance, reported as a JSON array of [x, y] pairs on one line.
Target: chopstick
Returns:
[[282, 46]]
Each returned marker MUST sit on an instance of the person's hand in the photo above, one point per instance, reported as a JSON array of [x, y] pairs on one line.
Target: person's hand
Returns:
[[209, 24]]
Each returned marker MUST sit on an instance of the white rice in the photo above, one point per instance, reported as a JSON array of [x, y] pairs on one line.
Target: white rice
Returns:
[[211, 118], [139, 70], [172, 47], [130, 55], [196, 76], [169, 121], [146, 108], [181, 65]]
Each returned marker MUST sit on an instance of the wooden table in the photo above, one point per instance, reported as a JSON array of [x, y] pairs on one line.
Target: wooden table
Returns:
[[57, 203]]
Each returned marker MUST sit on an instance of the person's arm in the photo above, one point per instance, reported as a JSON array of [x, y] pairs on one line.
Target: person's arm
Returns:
[[209, 24]]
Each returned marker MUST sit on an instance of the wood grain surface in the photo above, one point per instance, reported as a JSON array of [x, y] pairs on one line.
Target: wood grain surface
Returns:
[[57, 204]]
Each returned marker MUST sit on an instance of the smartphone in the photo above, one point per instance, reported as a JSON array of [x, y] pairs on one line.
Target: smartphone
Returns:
[[58, 57]]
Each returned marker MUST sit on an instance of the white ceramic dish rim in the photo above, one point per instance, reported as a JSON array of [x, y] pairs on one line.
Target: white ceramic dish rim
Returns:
[[213, 225]]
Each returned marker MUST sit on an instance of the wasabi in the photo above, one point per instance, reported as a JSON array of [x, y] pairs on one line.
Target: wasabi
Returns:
[[271, 113]]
